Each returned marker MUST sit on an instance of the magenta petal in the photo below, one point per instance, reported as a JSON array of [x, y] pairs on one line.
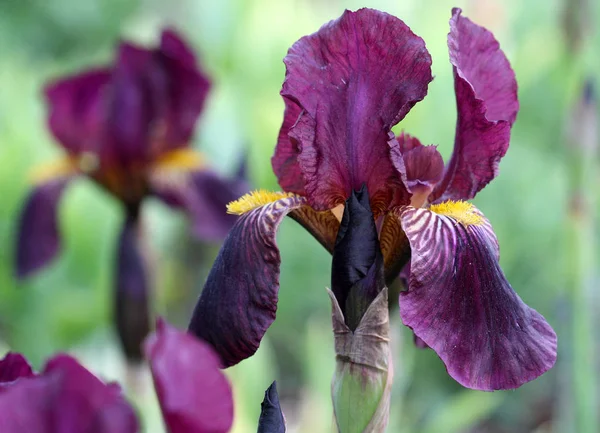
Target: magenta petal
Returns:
[[65, 398], [38, 238], [12, 367], [239, 300], [460, 304], [204, 196], [132, 316], [285, 159], [76, 107], [355, 78], [194, 395], [486, 96], [421, 166]]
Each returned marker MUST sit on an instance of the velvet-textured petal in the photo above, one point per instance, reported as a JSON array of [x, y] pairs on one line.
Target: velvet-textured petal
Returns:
[[204, 196], [12, 367], [132, 315], [461, 305], [65, 398], [422, 166], [285, 159], [355, 78], [486, 97], [38, 237], [76, 106], [239, 300], [271, 418], [194, 395]]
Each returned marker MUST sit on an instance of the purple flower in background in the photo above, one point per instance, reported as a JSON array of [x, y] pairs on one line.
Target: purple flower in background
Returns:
[[128, 127], [345, 87], [194, 395]]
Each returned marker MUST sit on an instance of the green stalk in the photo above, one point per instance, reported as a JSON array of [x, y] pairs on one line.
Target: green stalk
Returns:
[[582, 261]]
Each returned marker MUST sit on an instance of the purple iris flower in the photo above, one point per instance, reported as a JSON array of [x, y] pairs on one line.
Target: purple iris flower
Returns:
[[345, 87], [128, 127], [194, 395]]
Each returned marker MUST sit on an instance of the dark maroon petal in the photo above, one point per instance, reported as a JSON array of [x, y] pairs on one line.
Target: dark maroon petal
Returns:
[[460, 304], [12, 367], [271, 418], [38, 238], [76, 107], [132, 316], [204, 195], [421, 165], [355, 78], [65, 398], [239, 300], [194, 395], [187, 88], [486, 97], [285, 159]]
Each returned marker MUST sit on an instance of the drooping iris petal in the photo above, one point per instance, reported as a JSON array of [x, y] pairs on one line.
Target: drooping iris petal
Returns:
[[194, 395], [271, 418], [76, 107], [486, 97], [460, 304], [12, 367], [423, 166], [65, 398], [285, 159], [38, 238], [239, 300], [204, 195], [355, 78], [131, 296]]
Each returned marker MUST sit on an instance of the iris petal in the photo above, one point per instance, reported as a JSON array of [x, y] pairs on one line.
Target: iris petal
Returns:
[[355, 78], [194, 395], [12, 367], [285, 159], [38, 239], [76, 109], [486, 97], [239, 300], [65, 398], [460, 304]]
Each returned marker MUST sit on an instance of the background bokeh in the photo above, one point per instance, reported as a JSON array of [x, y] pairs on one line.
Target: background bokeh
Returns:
[[553, 47]]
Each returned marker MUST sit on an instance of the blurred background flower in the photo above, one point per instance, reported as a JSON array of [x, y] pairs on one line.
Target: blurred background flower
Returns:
[[242, 44]]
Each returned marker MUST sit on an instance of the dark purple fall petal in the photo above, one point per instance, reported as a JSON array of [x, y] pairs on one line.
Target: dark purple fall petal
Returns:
[[38, 238], [131, 295], [65, 398], [486, 97], [460, 304], [204, 196], [285, 159], [355, 78], [271, 418], [76, 105], [239, 300], [12, 367], [194, 395]]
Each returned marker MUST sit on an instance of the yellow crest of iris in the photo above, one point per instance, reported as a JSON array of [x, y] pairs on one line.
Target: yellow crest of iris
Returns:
[[460, 211], [255, 199]]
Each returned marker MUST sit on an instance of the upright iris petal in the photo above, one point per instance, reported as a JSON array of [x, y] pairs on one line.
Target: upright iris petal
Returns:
[[353, 80], [486, 98]]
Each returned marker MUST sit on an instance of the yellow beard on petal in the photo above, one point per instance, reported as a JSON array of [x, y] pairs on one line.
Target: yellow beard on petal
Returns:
[[255, 199], [461, 211], [65, 166]]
